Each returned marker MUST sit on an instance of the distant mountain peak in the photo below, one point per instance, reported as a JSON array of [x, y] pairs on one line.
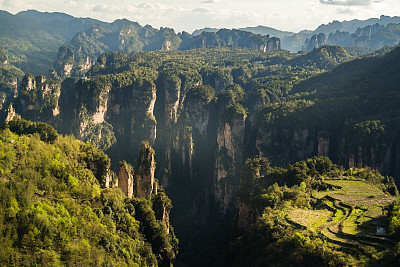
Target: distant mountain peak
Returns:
[[43, 16]]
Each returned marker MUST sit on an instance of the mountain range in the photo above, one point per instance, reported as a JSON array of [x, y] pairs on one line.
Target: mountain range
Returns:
[[41, 34], [296, 41], [248, 154]]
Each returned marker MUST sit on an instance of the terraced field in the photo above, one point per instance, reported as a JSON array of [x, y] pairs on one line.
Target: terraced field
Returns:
[[348, 215]]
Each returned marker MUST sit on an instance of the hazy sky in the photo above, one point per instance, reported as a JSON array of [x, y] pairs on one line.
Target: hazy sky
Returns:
[[290, 15]]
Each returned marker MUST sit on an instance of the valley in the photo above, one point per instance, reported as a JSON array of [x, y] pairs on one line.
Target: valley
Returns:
[[250, 154]]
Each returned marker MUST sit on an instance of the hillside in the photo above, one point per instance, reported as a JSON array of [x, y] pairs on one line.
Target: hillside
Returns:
[[264, 30], [205, 111], [313, 214], [129, 37], [36, 41], [117, 140], [31, 39], [56, 210], [186, 104], [67, 45]]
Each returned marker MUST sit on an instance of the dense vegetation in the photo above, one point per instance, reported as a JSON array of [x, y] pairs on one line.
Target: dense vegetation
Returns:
[[205, 111], [31, 39], [113, 108], [299, 216], [88, 45], [54, 212]]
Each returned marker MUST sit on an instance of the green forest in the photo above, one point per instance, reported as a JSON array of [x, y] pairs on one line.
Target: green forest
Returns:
[[126, 145], [54, 211]]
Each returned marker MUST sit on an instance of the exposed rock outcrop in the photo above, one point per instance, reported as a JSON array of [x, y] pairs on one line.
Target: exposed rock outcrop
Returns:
[[197, 114], [183, 145], [38, 99], [65, 61], [66, 64], [323, 146], [372, 36], [92, 100], [231, 38], [10, 113], [143, 113], [172, 97], [229, 159], [283, 146], [126, 106], [162, 207], [125, 178], [246, 216], [317, 40], [145, 183]]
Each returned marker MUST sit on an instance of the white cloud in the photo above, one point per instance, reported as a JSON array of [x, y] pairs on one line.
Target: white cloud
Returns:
[[71, 3], [100, 8], [15, 3], [201, 10], [345, 10], [350, 2], [291, 15]]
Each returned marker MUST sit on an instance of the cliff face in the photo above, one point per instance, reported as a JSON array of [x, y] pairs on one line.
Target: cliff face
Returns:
[[371, 36], [10, 78], [183, 149], [229, 158], [124, 106], [38, 99], [143, 124], [368, 144], [205, 121], [323, 146], [10, 113], [197, 115], [270, 45], [64, 62], [362, 145], [145, 185], [91, 107], [140, 185], [172, 99], [162, 208], [317, 40], [282, 146], [177, 111], [67, 64], [231, 38], [254, 173], [131, 38], [125, 179], [185, 153]]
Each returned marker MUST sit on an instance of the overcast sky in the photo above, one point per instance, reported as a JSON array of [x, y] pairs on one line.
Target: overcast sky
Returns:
[[290, 15]]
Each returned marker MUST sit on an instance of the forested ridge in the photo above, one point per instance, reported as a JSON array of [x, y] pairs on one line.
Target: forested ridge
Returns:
[[269, 157], [55, 212]]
